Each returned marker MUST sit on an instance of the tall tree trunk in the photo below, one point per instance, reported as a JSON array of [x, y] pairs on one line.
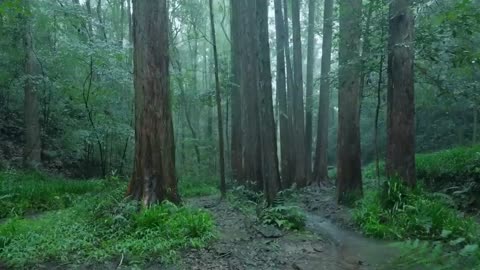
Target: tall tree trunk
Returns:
[[290, 97], [400, 160], [101, 23], [236, 111], [223, 188], [299, 116], [309, 89], [321, 153], [365, 51], [281, 92], [268, 140], [32, 149], [249, 91], [154, 177], [349, 174]]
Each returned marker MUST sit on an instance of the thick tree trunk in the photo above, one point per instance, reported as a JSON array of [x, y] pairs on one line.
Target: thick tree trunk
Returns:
[[32, 149], [400, 99], [268, 140], [281, 91], [236, 111], [321, 152], [221, 154], [249, 90], [299, 116], [309, 89], [154, 178], [349, 174]]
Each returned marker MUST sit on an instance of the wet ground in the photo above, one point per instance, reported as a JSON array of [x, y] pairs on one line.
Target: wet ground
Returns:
[[327, 243]]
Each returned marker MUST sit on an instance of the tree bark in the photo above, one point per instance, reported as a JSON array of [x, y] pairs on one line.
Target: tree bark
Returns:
[[349, 174], [249, 91], [154, 178], [309, 89], [281, 91], [400, 160], [299, 116], [321, 153], [218, 99], [290, 97], [236, 110], [268, 139], [32, 149]]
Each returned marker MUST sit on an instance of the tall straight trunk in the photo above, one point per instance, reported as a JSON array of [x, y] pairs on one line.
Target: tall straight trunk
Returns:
[[349, 173], [321, 153], [268, 139], [101, 22], [130, 23], [299, 116], [400, 160], [154, 178], [32, 149], [236, 110], [218, 100], [281, 91], [366, 51], [249, 92], [290, 97], [309, 89]]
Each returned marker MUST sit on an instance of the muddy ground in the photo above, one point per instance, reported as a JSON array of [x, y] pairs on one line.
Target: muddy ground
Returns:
[[328, 242]]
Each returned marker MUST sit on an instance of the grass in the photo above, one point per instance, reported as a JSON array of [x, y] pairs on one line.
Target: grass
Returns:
[[28, 193], [104, 228], [91, 223], [436, 234]]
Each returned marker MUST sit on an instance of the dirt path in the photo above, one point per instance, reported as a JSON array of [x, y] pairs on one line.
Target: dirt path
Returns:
[[242, 243]]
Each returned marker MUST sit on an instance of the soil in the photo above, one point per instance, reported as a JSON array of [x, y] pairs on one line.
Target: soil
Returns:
[[327, 243]]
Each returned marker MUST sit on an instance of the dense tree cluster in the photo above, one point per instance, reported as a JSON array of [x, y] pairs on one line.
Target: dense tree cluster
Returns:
[[91, 88]]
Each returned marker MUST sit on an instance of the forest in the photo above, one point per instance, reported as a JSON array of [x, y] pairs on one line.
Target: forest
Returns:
[[240, 134]]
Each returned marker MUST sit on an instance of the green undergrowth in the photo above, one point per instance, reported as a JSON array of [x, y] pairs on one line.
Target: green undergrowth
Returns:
[[104, 228], [426, 220], [283, 214], [454, 172], [189, 187], [31, 192]]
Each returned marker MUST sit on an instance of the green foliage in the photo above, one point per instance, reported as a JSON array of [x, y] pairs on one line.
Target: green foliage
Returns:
[[417, 254], [194, 186], [454, 165], [23, 193], [283, 217], [399, 213], [102, 228]]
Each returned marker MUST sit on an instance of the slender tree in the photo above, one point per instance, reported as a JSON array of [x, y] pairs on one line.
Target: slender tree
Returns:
[[268, 139], [281, 91], [236, 110], [309, 86], [218, 100], [154, 178], [32, 149], [321, 153], [349, 173], [400, 160], [298, 110]]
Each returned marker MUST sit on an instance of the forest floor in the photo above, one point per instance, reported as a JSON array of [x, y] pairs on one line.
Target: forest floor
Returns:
[[328, 242]]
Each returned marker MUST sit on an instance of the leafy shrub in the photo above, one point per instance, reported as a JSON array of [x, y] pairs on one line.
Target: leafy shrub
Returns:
[[399, 213], [21, 193], [417, 254], [102, 227], [283, 217]]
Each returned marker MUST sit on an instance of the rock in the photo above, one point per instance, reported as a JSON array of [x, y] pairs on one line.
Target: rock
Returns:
[[269, 231]]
